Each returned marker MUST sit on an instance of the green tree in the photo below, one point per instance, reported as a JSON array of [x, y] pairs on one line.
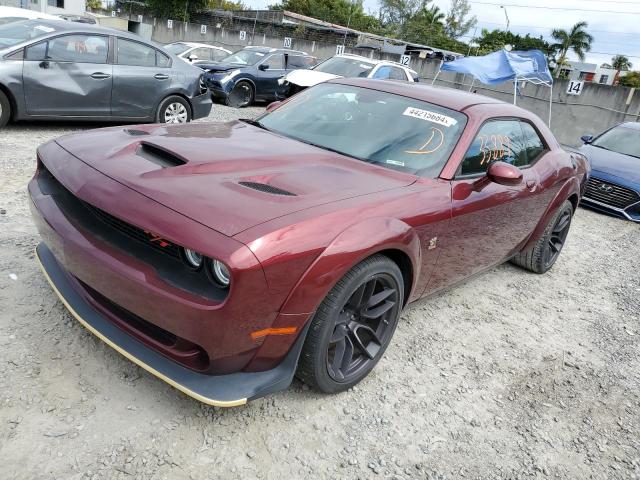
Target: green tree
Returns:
[[93, 4], [576, 39], [342, 12], [620, 63], [226, 5], [394, 14], [424, 26], [458, 22], [490, 41], [176, 9], [631, 79]]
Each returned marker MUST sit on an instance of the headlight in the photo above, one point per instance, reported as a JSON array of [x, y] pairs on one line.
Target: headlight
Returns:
[[281, 81], [193, 258], [229, 76], [220, 273]]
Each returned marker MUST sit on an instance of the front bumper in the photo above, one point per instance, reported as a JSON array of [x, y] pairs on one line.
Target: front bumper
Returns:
[[222, 390], [201, 106], [609, 195]]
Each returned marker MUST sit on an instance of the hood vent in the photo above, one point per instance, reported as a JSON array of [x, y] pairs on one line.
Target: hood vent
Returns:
[[159, 155], [135, 132], [266, 188]]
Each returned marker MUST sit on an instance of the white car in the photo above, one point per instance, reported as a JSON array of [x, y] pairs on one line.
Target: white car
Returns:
[[347, 65], [11, 14], [190, 51]]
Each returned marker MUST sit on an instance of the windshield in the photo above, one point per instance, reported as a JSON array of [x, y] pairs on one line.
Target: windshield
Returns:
[[620, 139], [244, 57], [389, 130], [17, 32], [345, 67], [176, 48]]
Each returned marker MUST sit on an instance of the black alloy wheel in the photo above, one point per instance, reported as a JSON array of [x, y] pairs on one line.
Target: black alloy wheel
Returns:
[[353, 326], [557, 238]]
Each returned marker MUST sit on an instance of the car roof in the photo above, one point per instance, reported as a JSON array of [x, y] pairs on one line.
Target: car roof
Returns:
[[632, 125], [66, 26], [374, 61], [24, 13], [447, 97], [262, 49], [199, 45]]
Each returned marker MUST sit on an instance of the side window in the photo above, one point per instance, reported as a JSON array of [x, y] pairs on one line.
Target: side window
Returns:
[[497, 141], [217, 55], [296, 61], [532, 142], [383, 73], [136, 54], [37, 51], [72, 48], [201, 53], [397, 74], [275, 62], [162, 60]]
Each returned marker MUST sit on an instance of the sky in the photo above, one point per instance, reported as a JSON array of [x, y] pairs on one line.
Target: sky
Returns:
[[614, 24]]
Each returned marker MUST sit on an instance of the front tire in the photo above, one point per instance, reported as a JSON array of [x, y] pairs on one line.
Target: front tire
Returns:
[[174, 109], [546, 250], [5, 109], [241, 95], [353, 326]]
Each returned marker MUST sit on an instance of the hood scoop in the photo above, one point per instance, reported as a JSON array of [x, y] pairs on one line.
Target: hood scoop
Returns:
[[160, 156], [266, 188], [134, 132]]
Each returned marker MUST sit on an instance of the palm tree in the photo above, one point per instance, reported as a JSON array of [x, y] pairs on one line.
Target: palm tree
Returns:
[[576, 39], [620, 62], [434, 15]]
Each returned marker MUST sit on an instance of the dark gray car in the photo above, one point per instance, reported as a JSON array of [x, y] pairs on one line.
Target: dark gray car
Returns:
[[62, 70]]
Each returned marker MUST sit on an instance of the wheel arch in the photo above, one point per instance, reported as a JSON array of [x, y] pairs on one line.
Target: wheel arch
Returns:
[[387, 236], [12, 101]]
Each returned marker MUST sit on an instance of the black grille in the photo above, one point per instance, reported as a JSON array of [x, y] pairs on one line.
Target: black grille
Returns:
[[610, 193], [266, 188], [143, 236]]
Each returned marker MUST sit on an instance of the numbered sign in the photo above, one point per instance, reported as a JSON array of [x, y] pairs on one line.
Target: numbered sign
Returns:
[[203, 29], [170, 24], [139, 18], [575, 87], [287, 42], [113, 13], [339, 49], [243, 35], [405, 59]]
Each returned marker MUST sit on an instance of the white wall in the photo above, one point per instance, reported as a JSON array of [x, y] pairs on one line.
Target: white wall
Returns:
[[74, 7]]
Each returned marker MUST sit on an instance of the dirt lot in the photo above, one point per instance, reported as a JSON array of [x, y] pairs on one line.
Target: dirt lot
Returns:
[[511, 375]]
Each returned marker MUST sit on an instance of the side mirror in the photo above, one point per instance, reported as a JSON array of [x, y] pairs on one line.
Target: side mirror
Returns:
[[273, 105], [504, 173], [587, 138], [193, 57], [263, 67]]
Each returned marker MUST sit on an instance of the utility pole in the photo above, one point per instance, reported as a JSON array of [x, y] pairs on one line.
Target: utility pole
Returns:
[[506, 16]]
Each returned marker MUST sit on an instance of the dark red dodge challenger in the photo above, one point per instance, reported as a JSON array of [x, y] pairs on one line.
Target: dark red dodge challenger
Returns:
[[225, 258]]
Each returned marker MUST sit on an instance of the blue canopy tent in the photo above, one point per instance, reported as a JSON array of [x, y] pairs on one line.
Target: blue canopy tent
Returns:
[[502, 66]]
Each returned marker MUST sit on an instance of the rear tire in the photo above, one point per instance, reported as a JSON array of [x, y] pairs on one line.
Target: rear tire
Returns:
[[5, 109], [242, 95], [353, 326], [546, 250], [173, 109]]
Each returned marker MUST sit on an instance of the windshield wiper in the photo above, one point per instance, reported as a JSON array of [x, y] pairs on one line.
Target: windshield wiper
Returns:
[[255, 123]]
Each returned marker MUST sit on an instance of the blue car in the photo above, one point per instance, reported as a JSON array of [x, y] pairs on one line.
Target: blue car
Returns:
[[252, 74], [614, 185]]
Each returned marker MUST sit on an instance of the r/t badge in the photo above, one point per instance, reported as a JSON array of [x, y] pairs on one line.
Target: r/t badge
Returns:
[[433, 243]]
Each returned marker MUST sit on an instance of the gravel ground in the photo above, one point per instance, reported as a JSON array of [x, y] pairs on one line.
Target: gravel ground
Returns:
[[511, 375]]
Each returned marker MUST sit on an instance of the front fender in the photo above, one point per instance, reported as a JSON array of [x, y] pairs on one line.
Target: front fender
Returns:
[[350, 247]]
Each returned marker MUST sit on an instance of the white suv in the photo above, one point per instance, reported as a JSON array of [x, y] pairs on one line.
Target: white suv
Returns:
[[347, 65], [190, 52]]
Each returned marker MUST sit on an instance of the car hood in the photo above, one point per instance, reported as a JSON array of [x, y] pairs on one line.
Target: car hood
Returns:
[[309, 78], [227, 176], [612, 163], [220, 67]]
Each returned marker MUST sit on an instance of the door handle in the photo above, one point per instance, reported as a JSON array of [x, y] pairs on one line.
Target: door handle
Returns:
[[44, 64], [100, 75], [161, 76]]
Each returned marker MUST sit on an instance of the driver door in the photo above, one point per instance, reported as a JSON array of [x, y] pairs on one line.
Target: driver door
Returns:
[[489, 221], [269, 71]]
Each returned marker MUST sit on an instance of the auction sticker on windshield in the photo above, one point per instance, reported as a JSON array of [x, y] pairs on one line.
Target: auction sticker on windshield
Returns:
[[434, 117]]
